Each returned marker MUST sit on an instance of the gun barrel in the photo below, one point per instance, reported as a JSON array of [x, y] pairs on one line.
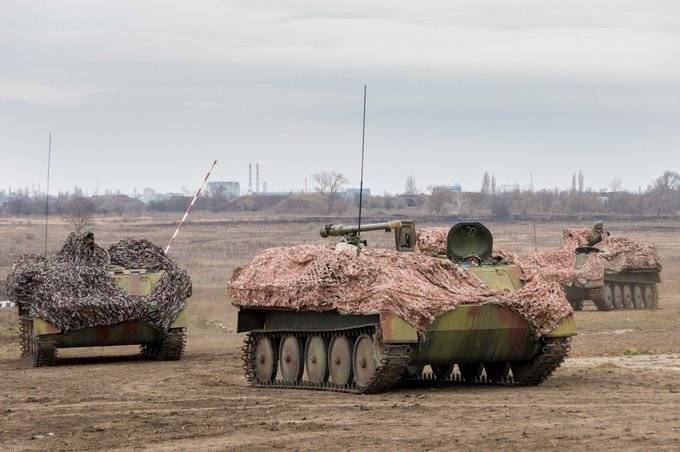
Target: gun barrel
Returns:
[[340, 229]]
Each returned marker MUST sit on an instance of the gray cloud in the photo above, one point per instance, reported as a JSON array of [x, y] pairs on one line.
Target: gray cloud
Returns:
[[147, 93]]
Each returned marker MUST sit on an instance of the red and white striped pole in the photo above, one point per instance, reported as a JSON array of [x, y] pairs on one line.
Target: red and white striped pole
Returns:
[[191, 204]]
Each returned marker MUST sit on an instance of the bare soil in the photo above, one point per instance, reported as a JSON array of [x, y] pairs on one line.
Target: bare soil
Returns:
[[619, 390]]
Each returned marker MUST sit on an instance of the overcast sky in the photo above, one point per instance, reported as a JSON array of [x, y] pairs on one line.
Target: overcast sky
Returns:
[[147, 93]]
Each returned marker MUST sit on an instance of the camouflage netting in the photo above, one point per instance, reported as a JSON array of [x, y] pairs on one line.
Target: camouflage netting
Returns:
[[415, 286], [432, 241], [74, 290], [619, 253], [139, 253]]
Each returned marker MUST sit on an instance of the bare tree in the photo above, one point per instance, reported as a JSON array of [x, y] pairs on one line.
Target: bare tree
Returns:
[[17, 204], [486, 183], [79, 211], [616, 185], [500, 206], [440, 201], [665, 192], [410, 187], [328, 184]]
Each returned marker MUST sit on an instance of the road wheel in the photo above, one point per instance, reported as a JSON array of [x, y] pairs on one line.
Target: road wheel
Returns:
[[290, 357], [265, 360], [618, 296], [316, 359], [638, 297], [628, 296], [340, 360], [364, 361]]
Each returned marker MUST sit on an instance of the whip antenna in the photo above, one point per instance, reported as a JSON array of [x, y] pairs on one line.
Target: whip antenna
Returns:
[[47, 191], [191, 204], [361, 183]]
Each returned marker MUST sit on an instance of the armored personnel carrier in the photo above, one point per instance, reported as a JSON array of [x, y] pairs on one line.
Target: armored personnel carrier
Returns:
[[40, 339], [466, 316], [627, 287], [86, 296]]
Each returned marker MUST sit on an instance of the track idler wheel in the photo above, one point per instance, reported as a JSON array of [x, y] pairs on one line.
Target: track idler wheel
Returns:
[[171, 348], [603, 297], [44, 352], [549, 358], [25, 336]]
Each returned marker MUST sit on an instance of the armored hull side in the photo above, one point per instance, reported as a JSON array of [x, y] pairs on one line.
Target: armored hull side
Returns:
[[472, 344]]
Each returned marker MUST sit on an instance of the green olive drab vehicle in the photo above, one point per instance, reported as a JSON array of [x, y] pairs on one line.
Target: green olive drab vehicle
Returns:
[[40, 339], [87, 296], [402, 326], [630, 287]]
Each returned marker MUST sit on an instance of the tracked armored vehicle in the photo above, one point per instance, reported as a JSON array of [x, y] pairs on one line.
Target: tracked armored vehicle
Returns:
[[628, 288], [470, 343], [87, 296], [40, 339]]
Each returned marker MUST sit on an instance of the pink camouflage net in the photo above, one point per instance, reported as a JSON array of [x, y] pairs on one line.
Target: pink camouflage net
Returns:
[[432, 241], [414, 286], [619, 253]]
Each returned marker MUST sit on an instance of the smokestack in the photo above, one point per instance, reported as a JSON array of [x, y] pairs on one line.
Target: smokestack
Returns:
[[250, 178], [257, 177]]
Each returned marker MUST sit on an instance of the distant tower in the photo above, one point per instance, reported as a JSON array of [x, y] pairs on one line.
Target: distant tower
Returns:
[[264, 187], [305, 185], [250, 178], [257, 177]]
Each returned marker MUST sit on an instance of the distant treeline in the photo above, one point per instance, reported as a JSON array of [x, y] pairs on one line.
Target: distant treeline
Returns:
[[660, 199]]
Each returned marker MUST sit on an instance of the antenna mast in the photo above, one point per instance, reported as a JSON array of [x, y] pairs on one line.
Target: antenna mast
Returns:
[[361, 183], [47, 190]]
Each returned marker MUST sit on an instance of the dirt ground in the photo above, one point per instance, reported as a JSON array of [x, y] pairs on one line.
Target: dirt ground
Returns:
[[619, 390]]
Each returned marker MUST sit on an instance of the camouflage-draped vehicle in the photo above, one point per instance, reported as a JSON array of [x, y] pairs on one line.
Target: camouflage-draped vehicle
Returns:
[[633, 286], [616, 273], [351, 319], [86, 296]]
